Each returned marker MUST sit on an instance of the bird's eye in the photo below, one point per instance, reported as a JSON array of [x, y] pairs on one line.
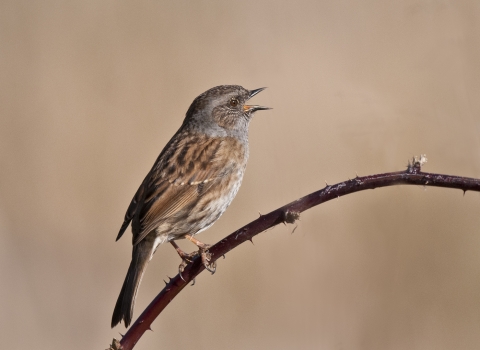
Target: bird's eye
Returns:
[[233, 102]]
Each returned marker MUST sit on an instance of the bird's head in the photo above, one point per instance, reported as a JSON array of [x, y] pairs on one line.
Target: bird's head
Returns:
[[223, 110]]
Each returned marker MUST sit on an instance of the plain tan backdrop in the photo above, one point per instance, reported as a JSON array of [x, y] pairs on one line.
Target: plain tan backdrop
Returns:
[[91, 91]]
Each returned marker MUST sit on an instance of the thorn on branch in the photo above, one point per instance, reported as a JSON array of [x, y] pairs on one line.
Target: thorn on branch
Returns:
[[416, 163]]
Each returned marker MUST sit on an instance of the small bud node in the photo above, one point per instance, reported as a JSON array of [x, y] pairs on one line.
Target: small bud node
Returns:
[[291, 216], [115, 345]]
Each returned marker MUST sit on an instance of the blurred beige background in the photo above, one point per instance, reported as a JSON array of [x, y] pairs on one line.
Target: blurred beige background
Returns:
[[91, 91]]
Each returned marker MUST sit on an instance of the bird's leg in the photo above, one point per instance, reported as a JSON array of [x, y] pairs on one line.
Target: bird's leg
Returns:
[[204, 253], [186, 257]]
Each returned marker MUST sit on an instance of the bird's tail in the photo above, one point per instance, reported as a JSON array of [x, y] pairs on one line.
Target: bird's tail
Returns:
[[141, 255]]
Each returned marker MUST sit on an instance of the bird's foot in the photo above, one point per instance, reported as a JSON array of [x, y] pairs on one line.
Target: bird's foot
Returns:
[[206, 258], [205, 255], [186, 258]]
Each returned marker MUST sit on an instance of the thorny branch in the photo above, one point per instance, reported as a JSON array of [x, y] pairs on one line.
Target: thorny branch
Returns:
[[289, 214]]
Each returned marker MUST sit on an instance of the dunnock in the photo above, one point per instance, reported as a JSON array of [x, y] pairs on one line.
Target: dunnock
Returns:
[[191, 184]]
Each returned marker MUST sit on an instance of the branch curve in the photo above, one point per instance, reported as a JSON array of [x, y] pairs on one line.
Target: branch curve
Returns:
[[288, 213]]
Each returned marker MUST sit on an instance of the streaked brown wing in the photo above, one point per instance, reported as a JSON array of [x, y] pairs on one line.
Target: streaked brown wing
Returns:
[[173, 184]]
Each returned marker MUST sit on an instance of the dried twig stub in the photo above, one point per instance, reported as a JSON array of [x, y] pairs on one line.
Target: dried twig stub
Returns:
[[416, 163]]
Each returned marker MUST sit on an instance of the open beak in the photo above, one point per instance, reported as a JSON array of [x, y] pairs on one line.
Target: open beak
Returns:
[[251, 109]]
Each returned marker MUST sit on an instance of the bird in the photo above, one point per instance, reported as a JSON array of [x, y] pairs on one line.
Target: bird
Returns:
[[191, 184]]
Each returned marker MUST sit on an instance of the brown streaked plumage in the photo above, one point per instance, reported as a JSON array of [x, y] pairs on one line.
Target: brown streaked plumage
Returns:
[[191, 184]]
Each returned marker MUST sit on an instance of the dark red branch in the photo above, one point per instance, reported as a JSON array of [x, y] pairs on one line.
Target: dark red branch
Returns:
[[288, 213]]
